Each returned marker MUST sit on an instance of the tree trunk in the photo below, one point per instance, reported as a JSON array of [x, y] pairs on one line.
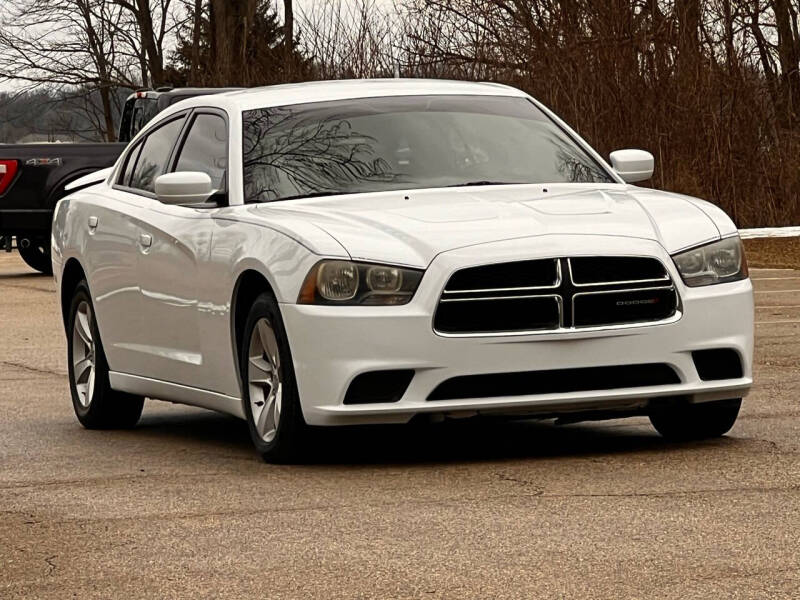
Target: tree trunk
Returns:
[[730, 51], [230, 24], [155, 57], [761, 42], [196, 34], [144, 69], [687, 13], [789, 57], [108, 115], [288, 32]]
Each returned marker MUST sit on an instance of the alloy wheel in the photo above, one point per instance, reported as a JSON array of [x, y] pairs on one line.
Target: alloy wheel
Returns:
[[83, 354], [264, 380]]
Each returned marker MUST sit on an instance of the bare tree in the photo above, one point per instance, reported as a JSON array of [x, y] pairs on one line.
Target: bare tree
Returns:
[[711, 86], [350, 38], [152, 21], [67, 44], [708, 85], [788, 50]]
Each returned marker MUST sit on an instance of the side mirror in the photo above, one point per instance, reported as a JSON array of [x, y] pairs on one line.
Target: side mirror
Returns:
[[633, 165], [183, 187]]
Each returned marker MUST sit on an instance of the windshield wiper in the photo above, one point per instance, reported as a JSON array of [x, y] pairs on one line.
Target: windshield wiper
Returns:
[[483, 182]]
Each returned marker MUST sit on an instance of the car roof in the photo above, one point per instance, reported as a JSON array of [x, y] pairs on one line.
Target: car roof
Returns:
[[321, 91]]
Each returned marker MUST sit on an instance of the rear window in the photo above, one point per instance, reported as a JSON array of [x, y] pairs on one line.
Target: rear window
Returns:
[[144, 109]]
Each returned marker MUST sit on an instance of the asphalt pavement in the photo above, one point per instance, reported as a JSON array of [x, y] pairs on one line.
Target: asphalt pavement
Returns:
[[181, 506]]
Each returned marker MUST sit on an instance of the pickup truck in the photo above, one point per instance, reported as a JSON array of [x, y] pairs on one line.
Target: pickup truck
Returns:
[[33, 177]]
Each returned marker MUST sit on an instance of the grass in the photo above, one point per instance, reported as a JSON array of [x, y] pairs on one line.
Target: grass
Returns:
[[777, 253]]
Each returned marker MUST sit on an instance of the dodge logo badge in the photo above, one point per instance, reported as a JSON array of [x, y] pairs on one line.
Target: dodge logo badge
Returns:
[[635, 302]]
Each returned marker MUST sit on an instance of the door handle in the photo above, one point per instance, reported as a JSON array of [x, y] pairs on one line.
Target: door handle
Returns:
[[145, 240], [93, 222]]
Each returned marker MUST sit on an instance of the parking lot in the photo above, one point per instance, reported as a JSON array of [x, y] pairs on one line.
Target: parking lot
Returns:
[[182, 505]]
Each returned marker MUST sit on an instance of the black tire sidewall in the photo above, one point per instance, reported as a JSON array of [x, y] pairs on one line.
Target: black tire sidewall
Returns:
[[101, 384], [285, 446], [697, 421], [81, 294], [36, 259], [107, 408]]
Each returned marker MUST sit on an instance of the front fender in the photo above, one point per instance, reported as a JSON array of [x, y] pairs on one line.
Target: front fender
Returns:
[[281, 260]]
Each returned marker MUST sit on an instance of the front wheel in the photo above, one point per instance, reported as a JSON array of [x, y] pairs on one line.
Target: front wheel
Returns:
[[96, 405], [270, 397], [696, 421], [36, 255]]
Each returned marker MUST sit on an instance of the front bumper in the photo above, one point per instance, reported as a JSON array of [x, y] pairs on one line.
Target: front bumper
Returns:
[[332, 345]]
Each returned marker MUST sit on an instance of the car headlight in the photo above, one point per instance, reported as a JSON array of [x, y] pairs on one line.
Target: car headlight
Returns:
[[718, 262], [342, 282]]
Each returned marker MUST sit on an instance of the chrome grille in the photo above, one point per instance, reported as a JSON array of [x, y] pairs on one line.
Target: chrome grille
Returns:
[[556, 294]]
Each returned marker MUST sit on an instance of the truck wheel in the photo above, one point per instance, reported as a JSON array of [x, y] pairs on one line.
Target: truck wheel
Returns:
[[36, 254], [696, 421], [96, 405]]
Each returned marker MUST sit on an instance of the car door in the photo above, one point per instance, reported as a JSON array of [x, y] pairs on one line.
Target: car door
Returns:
[[135, 197], [174, 252], [111, 261]]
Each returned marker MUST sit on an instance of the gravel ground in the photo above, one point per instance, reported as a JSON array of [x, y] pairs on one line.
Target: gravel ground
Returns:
[[182, 507]]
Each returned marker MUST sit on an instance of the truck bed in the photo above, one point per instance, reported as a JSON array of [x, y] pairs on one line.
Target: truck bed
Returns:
[[43, 170]]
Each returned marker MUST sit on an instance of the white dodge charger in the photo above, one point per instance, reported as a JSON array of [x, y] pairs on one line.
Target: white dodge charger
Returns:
[[369, 251]]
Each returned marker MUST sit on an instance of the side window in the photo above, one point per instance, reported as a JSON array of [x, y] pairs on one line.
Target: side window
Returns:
[[130, 161], [205, 149], [154, 155]]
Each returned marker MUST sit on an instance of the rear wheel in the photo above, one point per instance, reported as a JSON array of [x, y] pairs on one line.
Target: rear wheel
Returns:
[[271, 401], [696, 421], [96, 405], [36, 254]]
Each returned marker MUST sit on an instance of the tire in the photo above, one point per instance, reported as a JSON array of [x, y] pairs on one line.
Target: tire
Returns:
[[96, 405], [696, 421], [37, 255], [269, 388]]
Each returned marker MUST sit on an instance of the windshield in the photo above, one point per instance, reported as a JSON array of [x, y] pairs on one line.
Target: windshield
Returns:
[[408, 142]]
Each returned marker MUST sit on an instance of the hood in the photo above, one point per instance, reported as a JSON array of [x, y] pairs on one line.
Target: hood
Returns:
[[412, 228]]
